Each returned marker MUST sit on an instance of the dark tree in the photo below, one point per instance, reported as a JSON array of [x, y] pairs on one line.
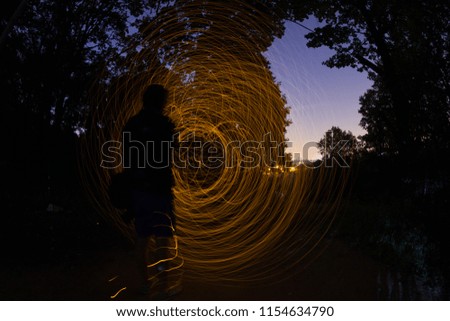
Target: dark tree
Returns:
[[378, 120], [54, 50], [50, 53], [404, 45], [339, 144]]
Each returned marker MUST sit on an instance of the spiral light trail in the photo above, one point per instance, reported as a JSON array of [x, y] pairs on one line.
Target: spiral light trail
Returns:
[[250, 216]]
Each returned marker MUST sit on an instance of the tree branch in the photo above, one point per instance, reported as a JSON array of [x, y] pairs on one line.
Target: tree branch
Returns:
[[12, 21], [366, 62], [301, 25]]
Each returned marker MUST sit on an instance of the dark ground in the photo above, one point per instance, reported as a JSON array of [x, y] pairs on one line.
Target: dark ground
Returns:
[[71, 256], [70, 253]]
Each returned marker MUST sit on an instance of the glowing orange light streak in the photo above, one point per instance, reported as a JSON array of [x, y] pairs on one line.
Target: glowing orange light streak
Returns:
[[113, 278], [233, 223], [118, 292]]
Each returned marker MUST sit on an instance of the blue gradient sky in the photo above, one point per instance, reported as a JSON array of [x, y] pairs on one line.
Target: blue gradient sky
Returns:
[[320, 97]]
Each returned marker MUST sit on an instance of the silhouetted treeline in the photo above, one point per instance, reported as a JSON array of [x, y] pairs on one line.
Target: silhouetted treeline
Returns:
[[404, 46], [51, 52]]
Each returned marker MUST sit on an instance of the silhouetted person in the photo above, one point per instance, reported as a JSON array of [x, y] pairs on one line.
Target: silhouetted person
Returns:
[[147, 158]]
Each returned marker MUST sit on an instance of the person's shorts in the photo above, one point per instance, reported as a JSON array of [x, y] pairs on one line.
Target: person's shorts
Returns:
[[153, 214]]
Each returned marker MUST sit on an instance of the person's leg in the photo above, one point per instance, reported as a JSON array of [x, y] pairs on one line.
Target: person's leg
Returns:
[[162, 257], [165, 252], [142, 247], [169, 275], [163, 228], [143, 222]]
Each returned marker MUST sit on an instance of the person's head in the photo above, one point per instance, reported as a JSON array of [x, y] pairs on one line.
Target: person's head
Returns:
[[155, 98]]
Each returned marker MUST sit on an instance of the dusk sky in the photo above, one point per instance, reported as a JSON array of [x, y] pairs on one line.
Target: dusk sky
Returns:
[[320, 97]]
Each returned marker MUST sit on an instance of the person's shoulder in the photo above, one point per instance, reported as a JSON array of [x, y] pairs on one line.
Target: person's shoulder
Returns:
[[162, 120], [169, 123], [133, 123]]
